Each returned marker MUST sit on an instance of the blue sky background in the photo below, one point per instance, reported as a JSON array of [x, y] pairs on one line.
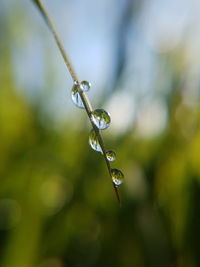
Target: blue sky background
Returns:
[[90, 33]]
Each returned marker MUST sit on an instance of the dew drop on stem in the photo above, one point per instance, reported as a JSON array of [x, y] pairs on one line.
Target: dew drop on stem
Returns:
[[76, 96], [111, 155], [117, 176], [85, 86], [94, 142], [101, 118]]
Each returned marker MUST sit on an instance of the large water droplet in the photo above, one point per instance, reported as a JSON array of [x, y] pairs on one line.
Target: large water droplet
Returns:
[[94, 142], [110, 155], [76, 96], [117, 176], [101, 118], [85, 86]]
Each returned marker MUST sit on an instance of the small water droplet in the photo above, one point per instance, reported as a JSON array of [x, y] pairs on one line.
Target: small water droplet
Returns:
[[85, 86], [110, 155], [94, 142], [117, 176], [76, 96], [101, 118]]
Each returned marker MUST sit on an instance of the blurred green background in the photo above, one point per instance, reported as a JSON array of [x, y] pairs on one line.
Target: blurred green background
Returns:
[[57, 205]]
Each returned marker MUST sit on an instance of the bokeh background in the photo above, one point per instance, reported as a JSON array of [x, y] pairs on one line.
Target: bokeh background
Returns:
[[57, 205]]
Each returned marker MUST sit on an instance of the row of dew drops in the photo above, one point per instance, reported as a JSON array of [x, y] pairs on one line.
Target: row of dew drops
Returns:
[[102, 120]]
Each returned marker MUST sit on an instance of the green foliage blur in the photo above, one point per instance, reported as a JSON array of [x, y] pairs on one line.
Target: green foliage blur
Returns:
[[57, 205]]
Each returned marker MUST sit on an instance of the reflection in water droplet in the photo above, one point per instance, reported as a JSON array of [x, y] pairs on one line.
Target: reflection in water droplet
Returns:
[[101, 118], [117, 176], [93, 141], [85, 86], [76, 96], [110, 155]]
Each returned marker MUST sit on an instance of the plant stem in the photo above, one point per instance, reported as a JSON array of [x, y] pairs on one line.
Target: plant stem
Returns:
[[89, 109], [84, 98], [50, 23]]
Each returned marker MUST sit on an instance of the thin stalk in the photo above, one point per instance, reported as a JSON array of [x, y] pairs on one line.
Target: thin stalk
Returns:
[[88, 108], [84, 98], [52, 28]]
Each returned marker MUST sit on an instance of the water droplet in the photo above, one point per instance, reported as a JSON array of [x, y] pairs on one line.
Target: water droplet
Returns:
[[101, 118], [110, 155], [117, 176], [94, 142], [76, 96], [85, 86]]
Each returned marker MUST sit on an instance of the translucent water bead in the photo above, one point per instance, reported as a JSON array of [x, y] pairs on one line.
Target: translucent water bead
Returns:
[[94, 142], [85, 86], [76, 96], [101, 118], [117, 177], [110, 155]]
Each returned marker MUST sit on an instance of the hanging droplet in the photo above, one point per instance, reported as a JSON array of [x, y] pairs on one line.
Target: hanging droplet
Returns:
[[76, 96], [110, 155], [101, 118], [85, 86], [117, 177], [94, 142]]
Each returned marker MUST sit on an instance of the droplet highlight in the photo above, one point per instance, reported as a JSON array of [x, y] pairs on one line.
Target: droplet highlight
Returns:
[[76, 96], [111, 155], [101, 118], [85, 86], [94, 142], [117, 176]]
